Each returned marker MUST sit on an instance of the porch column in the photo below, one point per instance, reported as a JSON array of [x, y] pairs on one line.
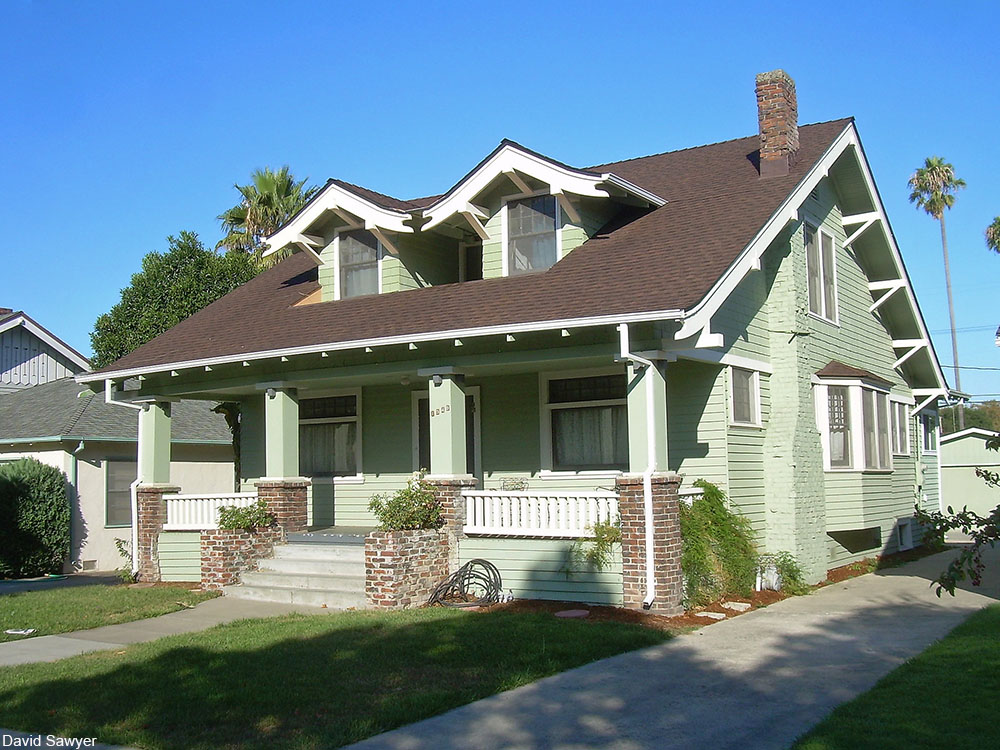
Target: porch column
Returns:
[[153, 454], [447, 425], [282, 489], [647, 417]]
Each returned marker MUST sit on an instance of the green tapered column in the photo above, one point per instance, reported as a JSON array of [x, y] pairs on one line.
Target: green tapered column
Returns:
[[281, 433], [154, 443], [447, 426], [643, 423]]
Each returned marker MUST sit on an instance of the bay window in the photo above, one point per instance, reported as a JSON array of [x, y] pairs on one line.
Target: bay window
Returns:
[[854, 423], [587, 419], [532, 234], [330, 436]]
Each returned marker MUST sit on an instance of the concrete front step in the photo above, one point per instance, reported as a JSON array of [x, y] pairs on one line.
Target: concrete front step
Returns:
[[303, 551], [344, 584], [337, 566], [294, 595]]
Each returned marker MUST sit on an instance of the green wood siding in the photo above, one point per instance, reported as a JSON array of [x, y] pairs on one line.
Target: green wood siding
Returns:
[[743, 319], [180, 555], [745, 447], [544, 569], [697, 421]]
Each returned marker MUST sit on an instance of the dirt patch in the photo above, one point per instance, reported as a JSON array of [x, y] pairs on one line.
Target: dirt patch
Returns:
[[689, 620]]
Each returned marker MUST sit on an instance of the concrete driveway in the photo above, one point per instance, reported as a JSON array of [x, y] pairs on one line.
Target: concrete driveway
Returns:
[[756, 681]]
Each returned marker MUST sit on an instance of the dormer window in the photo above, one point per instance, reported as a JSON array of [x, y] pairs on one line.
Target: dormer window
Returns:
[[358, 256], [532, 239]]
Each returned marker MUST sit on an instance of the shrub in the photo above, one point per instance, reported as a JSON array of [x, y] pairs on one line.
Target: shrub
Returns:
[[596, 553], [34, 519], [415, 506], [718, 555], [248, 518]]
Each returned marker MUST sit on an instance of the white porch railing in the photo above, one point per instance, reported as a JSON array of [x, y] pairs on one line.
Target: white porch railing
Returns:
[[192, 512], [689, 495], [537, 514]]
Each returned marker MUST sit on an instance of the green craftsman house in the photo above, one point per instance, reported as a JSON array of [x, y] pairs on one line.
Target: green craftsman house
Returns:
[[738, 312]]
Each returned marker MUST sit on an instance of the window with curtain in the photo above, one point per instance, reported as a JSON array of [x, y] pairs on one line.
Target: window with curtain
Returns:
[[329, 432], [531, 234], [358, 263], [118, 495], [589, 423], [820, 268]]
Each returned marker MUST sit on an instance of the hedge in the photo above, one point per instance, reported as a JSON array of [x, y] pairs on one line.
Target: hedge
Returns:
[[34, 519]]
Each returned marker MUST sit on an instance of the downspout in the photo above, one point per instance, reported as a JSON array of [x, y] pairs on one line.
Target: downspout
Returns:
[[74, 482], [109, 398], [647, 481]]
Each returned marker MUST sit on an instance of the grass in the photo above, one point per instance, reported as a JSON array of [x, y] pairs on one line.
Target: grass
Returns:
[[84, 607], [942, 698], [301, 681]]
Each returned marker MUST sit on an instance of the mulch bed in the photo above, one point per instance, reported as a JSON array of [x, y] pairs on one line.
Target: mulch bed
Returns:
[[879, 562]]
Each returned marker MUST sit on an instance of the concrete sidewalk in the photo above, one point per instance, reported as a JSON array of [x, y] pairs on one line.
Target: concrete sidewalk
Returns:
[[204, 615], [755, 681]]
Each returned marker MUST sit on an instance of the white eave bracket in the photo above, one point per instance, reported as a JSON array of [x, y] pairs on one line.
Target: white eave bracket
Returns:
[[912, 346], [930, 395], [889, 287], [866, 220]]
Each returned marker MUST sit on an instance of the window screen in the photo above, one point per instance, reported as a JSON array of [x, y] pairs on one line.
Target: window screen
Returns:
[[599, 388], [358, 264], [120, 476], [838, 404], [744, 398]]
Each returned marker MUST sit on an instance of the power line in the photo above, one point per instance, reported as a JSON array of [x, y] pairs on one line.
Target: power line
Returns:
[[969, 367]]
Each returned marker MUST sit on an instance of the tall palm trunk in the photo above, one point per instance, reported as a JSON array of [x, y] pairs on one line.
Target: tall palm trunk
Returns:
[[951, 316]]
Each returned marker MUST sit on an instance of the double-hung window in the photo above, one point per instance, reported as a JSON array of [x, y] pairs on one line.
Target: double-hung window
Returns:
[[821, 258], [928, 427], [588, 421], [744, 402], [900, 428], [854, 421], [358, 266], [532, 236], [330, 436], [119, 476]]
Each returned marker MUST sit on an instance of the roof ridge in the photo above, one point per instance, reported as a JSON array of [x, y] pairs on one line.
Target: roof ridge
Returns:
[[708, 145], [75, 418]]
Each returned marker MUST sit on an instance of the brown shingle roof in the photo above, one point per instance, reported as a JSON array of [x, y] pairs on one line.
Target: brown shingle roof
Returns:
[[835, 369], [665, 259]]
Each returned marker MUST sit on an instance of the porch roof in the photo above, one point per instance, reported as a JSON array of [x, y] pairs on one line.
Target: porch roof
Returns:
[[716, 204]]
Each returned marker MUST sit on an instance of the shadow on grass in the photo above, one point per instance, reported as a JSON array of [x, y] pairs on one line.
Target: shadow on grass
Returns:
[[297, 681]]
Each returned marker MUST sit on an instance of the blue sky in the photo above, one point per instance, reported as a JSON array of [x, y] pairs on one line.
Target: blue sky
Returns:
[[125, 122]]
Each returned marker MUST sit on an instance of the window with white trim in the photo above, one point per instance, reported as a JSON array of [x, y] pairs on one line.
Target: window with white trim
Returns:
[[532, 225], [900, 428], [854, 423], [821, 259], [358, 255], [744, 397], [119, 476], [928, 428], [330, 436], [588, 418]]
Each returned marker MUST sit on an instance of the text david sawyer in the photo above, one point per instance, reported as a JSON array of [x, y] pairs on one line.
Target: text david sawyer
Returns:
[[47, 740]]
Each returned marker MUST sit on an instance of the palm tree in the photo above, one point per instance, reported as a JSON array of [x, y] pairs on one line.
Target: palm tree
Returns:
[[932, 188], [271, 198], [993, 235]]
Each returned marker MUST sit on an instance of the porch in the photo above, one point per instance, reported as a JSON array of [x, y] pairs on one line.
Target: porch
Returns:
[[538, 451]]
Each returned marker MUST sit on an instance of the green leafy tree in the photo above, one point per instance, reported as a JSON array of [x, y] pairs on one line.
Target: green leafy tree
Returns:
[[271, 199], [993, 235], [985, 416], [981, 530], [170, 287], [933, 188]]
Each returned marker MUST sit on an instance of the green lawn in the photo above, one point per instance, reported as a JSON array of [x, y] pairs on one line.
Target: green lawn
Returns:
[[301, 681], [83, 607], [944, 698]]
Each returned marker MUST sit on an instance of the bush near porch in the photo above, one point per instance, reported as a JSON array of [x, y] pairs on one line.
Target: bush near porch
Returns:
[[301, 681], [34, 519]]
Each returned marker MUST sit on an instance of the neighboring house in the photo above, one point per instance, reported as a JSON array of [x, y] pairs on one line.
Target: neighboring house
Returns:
[[961, 454], [737, 312], [30, 355], [64, 425]]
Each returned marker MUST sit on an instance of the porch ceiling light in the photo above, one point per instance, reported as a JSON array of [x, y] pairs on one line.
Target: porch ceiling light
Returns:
[[437, 379], [271, 393]]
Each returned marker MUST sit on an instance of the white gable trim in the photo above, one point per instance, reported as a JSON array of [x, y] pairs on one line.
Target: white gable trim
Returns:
[[700, 316], [40, 333], [970, 431]]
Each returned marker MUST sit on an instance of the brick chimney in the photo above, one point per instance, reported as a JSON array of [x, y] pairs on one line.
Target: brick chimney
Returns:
[[778, 114]]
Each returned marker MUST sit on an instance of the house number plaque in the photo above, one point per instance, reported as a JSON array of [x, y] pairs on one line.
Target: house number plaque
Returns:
[[440, 410]]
